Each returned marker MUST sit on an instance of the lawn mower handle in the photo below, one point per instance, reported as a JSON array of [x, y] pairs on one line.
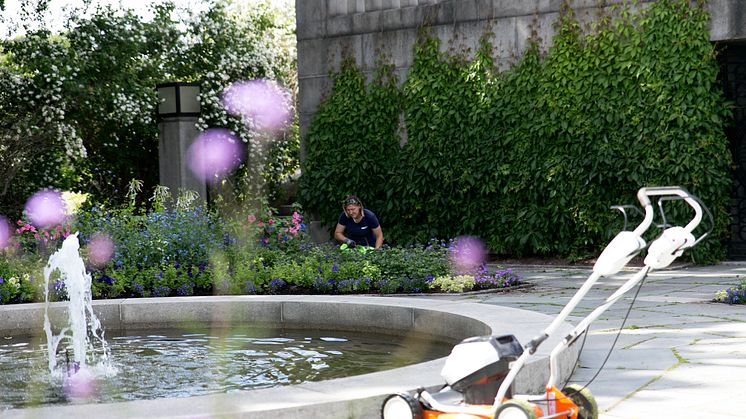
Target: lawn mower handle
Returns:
[[614, 257], [644, 194]]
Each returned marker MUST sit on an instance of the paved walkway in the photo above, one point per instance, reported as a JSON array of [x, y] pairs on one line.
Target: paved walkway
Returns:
[[679, 355]]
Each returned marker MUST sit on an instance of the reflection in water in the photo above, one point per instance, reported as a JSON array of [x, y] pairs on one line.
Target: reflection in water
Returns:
[[180, 363]]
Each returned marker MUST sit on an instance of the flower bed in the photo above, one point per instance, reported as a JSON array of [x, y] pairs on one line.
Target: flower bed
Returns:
[[192, 251], [734, 295]]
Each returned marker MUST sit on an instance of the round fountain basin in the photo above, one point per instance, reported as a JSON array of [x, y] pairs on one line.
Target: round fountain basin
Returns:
[[167, 363], [358, 396]]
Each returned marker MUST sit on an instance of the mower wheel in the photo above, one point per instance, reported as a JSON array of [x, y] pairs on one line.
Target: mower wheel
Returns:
[[581, 396], [515, 409], [401, 406]]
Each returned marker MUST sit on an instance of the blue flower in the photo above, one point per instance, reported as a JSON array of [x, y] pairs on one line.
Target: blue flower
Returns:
[[105, 279]]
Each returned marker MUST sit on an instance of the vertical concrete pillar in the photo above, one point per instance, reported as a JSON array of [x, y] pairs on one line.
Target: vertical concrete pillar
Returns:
[[178, 112], [176, 135]]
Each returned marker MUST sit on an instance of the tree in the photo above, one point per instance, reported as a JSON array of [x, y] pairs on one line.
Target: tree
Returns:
[[78, 109]]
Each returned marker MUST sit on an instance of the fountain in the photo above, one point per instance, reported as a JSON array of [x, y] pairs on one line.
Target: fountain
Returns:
[[84, 330], [356, 396]]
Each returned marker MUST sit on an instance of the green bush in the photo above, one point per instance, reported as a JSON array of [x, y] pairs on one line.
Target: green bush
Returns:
[[157, 238]]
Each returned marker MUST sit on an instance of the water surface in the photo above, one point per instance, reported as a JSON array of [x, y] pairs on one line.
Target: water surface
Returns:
[[180, 363]]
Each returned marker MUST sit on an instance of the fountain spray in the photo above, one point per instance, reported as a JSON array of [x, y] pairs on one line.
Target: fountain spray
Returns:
[[84, 329]]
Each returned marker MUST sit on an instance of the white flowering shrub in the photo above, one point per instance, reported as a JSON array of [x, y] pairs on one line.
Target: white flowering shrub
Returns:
[[77, 108]]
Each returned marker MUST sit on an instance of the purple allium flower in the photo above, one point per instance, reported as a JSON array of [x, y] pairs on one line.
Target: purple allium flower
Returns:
[[5, 232]]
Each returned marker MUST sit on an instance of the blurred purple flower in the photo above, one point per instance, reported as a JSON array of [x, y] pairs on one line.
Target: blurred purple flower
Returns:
[[214, 154], [81, 385], [100, 250], [5, 232], [261, 101], [45, 208], [467, 254]]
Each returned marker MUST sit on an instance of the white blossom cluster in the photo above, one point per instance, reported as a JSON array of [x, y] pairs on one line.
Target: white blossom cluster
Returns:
[[98, 80], [255, 54], [132, 108]]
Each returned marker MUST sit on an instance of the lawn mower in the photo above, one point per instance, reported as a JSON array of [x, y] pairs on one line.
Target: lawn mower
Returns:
[[480, 371]]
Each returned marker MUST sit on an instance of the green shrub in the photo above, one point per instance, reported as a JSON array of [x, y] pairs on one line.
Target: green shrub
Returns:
[[184, 252], [157, 238]]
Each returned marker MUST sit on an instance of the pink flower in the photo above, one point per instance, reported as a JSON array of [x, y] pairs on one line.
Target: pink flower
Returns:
[[36, 236], [270, 221], [100, 249], [260, 224], [19, 222], [251, 218]]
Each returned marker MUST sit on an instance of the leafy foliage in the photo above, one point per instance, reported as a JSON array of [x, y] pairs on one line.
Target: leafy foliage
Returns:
[[77, 108], [190, 251], [353, 142], [530, 159]]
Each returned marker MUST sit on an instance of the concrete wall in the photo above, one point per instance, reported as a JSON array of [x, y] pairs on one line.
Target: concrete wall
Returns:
[[327, 30]]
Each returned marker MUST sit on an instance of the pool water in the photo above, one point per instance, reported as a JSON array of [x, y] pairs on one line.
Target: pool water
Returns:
[[180, 363]]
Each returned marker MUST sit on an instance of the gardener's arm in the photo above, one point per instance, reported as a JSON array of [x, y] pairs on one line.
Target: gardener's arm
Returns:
[[378, 233], [339, 233]]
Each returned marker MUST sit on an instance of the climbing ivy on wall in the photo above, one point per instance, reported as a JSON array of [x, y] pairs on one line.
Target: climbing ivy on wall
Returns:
[[530, 159], [352, 144]]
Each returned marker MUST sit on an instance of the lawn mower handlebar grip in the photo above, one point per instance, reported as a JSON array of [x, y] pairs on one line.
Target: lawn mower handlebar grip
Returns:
[[533, 345], [644, 194]]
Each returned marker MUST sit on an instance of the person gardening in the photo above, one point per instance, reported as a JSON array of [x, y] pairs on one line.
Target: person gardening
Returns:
[[358, 226]]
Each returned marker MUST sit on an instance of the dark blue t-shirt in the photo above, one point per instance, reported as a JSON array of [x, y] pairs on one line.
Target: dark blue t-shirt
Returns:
[[362, 232]]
